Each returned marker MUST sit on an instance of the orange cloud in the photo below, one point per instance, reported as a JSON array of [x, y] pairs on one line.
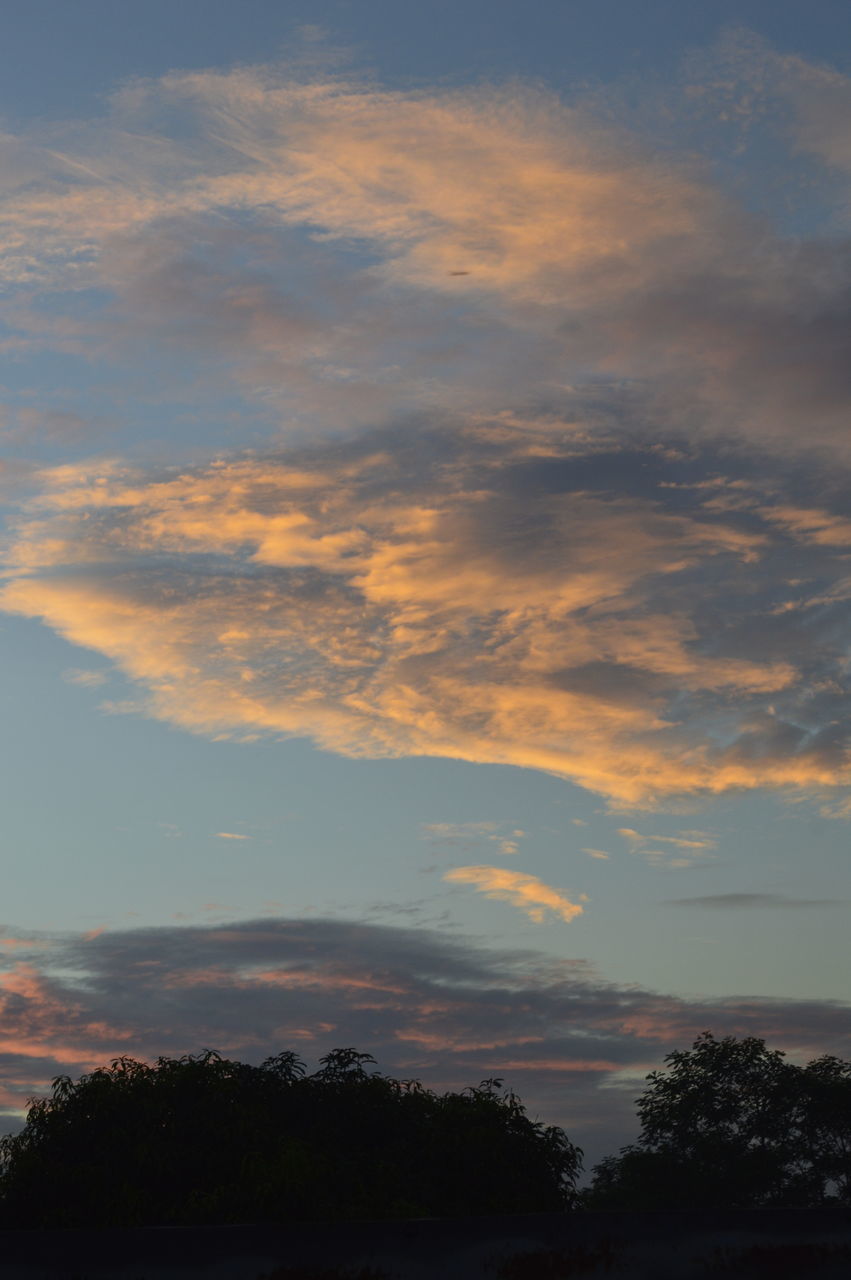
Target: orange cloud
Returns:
[[428, 630], [690, 846], [588, 251], [476, 189], [446, 601], [811, 524], [531, 895]]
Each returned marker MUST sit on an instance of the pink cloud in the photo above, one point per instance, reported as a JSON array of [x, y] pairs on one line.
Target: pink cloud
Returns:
[[424, 1004]]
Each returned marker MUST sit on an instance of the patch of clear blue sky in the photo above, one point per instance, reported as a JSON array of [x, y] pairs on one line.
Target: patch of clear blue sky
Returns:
[[58, 57], [109, 815]]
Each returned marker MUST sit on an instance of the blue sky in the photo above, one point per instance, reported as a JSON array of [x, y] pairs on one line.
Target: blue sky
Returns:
[[62, 59], [425, 592]]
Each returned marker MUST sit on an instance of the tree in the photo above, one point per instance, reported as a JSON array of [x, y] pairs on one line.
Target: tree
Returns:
[[203, 1139], [826, 1087], [731, 1124]]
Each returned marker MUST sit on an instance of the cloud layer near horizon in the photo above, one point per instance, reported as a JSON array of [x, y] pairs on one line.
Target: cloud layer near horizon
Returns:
[[427, 1005], [569, 485]]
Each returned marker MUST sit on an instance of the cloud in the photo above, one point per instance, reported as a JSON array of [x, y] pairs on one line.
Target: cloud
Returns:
[[823, 528], [425, 1004], [757, 85], [285, 227], [88, 679], [690, 847], [725, 900], [694, 839], [540, 381], [466, 834], [420, 174], [837, 810], [24, 422], [452, 831], [599, 854], [441, 593], [531, 895], [230, 835]]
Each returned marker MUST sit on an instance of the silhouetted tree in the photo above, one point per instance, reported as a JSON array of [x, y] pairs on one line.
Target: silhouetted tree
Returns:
[[826, 1089], [732, 1124], [202, 1139]]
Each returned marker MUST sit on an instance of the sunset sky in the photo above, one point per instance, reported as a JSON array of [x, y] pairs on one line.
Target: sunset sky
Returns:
[[426, 536]]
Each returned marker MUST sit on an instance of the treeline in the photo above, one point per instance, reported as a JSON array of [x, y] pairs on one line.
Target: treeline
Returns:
[[205, 1140]]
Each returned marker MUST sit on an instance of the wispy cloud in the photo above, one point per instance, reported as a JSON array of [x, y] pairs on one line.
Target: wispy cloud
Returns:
[[755, 900], [688, 840], [230, 835], [88, 679], [468, 834], [536, 899], [501, 201], [689, 847]]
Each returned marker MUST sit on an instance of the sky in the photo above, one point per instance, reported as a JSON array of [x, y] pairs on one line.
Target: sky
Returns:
[[425, 562]]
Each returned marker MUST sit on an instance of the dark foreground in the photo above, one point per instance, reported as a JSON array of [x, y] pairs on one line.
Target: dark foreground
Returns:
[[798, 1243]]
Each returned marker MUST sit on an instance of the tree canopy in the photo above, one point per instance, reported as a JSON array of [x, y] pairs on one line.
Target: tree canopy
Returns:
[[732, 1124], [202, 1139]]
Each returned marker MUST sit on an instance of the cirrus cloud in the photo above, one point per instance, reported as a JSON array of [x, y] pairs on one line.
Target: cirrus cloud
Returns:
[[347, 251]]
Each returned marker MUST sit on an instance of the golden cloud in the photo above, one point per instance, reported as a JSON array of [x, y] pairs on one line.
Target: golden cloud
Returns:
[[472, 588], [541, 245], [464, 618], [481, 189], [536, 899], [452, 611]]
